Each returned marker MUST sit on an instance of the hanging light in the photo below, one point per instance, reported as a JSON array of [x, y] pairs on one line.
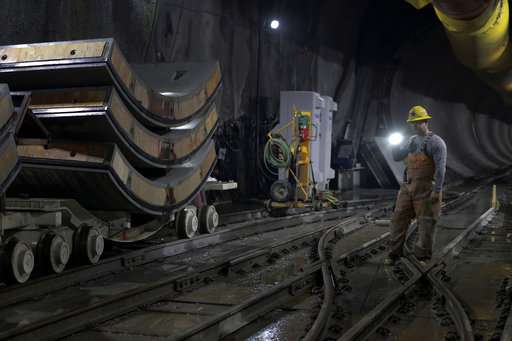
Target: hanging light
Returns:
[[274, 24]]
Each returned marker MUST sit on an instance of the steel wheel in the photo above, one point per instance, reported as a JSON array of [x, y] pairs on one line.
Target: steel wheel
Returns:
[[20, 259], [281, 191], [55, 252], [90, 244], [208, 219], [186, 224]]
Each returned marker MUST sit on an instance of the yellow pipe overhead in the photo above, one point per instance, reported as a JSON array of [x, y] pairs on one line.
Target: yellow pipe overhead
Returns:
[[480, 42], [478, 33]]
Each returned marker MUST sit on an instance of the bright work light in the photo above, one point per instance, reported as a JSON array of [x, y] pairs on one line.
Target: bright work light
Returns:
[[395, 139], [274, 24]]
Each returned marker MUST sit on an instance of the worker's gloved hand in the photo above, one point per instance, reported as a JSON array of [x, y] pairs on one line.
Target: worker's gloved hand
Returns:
[[435, 197]]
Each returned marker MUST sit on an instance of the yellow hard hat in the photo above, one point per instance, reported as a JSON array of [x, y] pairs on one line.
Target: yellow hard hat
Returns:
[[418, 113]]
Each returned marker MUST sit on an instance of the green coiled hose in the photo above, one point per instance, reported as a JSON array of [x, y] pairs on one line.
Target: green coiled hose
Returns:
[[277, 154]]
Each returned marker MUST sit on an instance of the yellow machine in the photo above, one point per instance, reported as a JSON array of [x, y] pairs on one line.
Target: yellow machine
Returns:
[[298, 189], [302, 154], [291, 157], [480, 38], [301, 148]]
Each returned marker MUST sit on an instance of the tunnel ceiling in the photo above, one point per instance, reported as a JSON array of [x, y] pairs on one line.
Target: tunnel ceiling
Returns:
[[376, 58]]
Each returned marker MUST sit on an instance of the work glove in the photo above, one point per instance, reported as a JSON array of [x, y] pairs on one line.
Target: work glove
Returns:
[[435, 197]]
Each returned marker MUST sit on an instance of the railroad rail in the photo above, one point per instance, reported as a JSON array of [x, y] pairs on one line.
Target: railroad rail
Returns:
[[432, 284], [359, 297], [150, 282]]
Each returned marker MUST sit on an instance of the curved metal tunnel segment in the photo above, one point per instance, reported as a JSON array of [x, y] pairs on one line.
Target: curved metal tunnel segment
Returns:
[[500, 135], [9, 119], [6, 106], [71, 114], [100, 177], [487, 139], [115, 138], [163, 94], [97, 176], [8, 161]]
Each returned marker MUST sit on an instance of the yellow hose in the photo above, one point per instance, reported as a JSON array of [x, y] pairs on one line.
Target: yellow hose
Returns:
[[480, 43]]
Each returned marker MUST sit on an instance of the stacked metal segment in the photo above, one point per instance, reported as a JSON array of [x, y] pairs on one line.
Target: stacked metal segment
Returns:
[[7, 147], [160, 94], [115, 150]]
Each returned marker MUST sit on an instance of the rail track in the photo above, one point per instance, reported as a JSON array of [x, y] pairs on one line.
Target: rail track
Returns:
[[359, 295], [221, 286], [225, 285], [255, 290], [462, 294], [52, 308], [128, 256]]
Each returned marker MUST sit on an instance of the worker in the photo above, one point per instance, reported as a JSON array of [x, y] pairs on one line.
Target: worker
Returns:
[[420, 195]]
